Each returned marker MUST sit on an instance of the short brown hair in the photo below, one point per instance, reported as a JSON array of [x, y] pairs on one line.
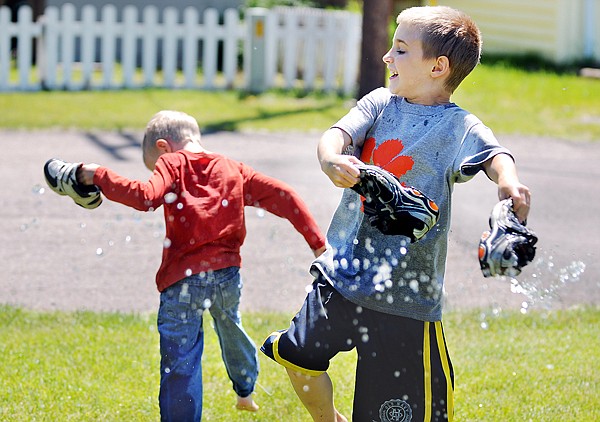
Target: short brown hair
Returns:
[[446, 32]]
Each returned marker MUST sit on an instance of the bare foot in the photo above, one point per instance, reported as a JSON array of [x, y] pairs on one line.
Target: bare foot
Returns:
[[339, 417], [246, 403]]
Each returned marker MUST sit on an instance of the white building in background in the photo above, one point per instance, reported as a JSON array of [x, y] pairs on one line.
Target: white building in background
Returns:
[[562, 31]]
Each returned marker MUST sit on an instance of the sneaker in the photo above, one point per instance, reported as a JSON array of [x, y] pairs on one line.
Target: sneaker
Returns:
[[61, 177], [392, 208], [509, 246]]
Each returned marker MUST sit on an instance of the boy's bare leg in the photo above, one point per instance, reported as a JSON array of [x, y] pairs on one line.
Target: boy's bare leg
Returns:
[[246, 403], [316, 394]]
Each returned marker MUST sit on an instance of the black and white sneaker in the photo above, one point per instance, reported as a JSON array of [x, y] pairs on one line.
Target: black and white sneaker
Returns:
[[509, 246], [392, 208], [61, 177]]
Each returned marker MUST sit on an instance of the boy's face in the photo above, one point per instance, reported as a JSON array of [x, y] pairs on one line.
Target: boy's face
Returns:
[[409, 73]]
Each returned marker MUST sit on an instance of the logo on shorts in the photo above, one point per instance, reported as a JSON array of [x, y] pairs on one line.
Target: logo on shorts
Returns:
[[395, 410]]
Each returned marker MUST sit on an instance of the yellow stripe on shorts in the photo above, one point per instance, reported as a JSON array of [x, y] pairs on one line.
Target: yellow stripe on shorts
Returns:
[[427, 371], [289, 364], [439, 335], [445, 364]]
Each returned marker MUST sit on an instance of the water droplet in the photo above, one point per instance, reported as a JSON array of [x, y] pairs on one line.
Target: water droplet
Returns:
[[99, 251], [414, 285], [260, 212], [167, 243], [170, 198], [38, 190], [224, 202]]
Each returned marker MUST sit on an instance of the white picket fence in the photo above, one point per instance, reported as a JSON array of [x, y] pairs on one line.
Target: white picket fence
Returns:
[[298, 48]]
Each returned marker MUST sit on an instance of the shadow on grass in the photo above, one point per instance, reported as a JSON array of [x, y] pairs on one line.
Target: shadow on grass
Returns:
[[233, 125]]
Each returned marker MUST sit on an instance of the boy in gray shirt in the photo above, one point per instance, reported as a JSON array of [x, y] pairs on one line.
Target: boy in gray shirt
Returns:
[[382, 294]]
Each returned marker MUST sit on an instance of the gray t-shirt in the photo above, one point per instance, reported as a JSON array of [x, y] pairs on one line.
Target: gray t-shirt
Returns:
[[430, 148]]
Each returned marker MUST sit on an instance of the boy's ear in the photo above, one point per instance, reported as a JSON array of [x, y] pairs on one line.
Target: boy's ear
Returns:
[[441, 67], [163, 146]]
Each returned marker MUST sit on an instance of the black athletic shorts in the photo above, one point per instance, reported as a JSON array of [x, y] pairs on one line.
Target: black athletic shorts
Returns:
[[403, 371]]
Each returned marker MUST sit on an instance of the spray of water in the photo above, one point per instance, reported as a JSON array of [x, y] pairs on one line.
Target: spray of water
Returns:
[[542, 287]]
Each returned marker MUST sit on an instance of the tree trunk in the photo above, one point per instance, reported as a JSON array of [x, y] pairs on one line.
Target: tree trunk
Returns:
[[338, 4], [375, 43]]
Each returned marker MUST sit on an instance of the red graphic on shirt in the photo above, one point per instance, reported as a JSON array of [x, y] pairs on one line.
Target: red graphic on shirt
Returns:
[[387, 156]]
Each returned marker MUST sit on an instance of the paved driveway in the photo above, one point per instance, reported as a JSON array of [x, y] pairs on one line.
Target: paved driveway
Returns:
[[55, 255]]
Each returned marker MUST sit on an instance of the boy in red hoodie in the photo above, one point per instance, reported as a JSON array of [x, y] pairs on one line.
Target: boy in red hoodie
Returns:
[[203, 195]]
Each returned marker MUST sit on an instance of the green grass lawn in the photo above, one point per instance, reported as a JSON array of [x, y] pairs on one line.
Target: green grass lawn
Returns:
[[514, 101], [89, 367], [509, 100]]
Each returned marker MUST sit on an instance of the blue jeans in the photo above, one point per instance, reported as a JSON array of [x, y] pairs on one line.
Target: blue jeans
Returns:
[[182, 306]]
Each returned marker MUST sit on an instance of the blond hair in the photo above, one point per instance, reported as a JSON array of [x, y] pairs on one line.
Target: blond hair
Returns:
[[175, 127], [445, 31]]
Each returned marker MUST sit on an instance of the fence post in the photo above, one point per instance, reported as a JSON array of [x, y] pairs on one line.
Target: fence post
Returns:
[[128, 45], [5, 36], [190, 46], [256, 18], [351, 55], [209, 47], [48, 53], [230, 52], [25, 37]]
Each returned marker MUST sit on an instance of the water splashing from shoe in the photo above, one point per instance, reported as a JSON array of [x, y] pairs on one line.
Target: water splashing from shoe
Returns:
[[543, 286]]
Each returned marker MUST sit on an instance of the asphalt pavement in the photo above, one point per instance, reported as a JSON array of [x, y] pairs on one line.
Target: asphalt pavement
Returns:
[[56, 255]]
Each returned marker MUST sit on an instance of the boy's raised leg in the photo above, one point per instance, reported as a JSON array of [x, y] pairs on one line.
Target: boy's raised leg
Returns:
[[316, 394]]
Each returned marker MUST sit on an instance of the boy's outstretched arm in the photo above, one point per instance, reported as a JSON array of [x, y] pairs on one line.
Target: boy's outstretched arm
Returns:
[[502, 170], [319, 251], [280, 199], [339, 168], [85, 173]]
